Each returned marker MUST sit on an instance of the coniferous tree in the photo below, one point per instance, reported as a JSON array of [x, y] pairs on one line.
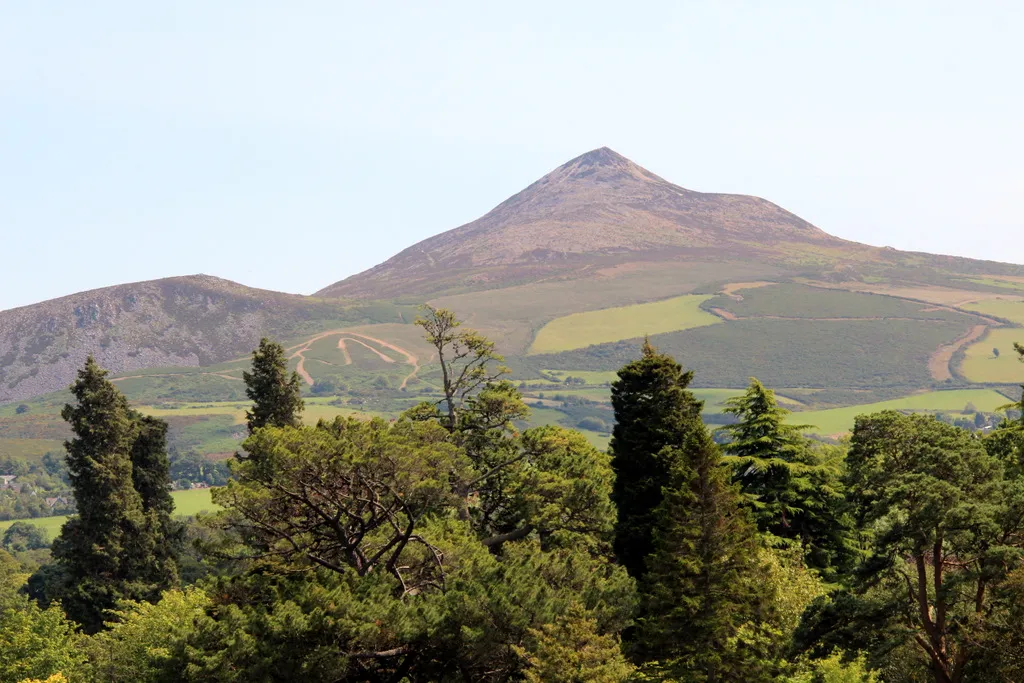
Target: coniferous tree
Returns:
[[653, 409], [794, 493], [112, 549], [151, 473], [151, 477], [275, 394], [704, 584]]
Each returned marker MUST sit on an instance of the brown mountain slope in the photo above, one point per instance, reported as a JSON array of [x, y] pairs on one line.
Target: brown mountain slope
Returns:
[[598, 208], [182, 321]]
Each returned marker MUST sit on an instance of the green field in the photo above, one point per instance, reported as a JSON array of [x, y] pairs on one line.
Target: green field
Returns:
[[1001, 308], [840, 420], [980, 364], [579, 330], [588, 376], [186, 503], [602, 394]]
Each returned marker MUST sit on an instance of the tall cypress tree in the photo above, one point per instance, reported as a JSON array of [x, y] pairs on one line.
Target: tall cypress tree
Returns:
[[150, 466], [704, 578], [151, 477], [793, 492], [112, 549], [275, 394], [653, 409]]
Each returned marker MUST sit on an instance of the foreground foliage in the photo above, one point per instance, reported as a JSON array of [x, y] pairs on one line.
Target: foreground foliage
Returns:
[[449, 546]]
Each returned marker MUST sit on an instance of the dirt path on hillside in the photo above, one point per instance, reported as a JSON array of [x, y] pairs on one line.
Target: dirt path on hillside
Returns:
[[724, 314], [410, 359], [938, 363], [383, 356], [299, 351], [730, 289], [344, 351]]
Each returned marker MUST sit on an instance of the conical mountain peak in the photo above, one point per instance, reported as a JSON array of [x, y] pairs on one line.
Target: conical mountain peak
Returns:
[[602, 156], [595, 207], [602, 165]]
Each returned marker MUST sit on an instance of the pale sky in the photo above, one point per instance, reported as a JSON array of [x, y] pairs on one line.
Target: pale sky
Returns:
[[288, 145]]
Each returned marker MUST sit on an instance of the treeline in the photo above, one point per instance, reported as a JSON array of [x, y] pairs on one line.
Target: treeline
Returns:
[[448, 545]]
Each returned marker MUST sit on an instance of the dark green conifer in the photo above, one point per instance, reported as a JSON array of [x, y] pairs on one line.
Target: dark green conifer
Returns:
[[653, 409], [151, 477], [275, 394], [794, 492], [112, 549], [704, 580], [150, 466]]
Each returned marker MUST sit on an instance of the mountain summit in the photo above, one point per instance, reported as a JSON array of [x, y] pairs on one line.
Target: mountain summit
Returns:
[[599, 205]]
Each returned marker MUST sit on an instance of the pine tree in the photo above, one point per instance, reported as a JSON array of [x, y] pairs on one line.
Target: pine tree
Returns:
[[793, 492], [112, 549], [653, 409], [703, 594], [275, 395]]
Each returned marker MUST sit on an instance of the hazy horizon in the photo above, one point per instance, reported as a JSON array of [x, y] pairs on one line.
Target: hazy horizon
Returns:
[[289, 148]]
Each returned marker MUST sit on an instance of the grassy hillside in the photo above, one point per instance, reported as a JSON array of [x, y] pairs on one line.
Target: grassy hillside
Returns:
[[187, 321], [625, 322], [808, 353]]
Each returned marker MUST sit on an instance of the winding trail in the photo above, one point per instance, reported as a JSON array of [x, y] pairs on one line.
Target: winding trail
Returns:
[[730, 289], [299, 350], [344, 351], [938, 363], [384, 357]]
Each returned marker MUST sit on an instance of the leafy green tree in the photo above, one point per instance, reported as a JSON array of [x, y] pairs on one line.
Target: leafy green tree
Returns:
[[147, 643], [945, 527], [22, 536], [834, 669], [275, 394], [112, 549], [34, 642], [794, 493], [704, 595], [653, 409], [572, 650], [359, 522]]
